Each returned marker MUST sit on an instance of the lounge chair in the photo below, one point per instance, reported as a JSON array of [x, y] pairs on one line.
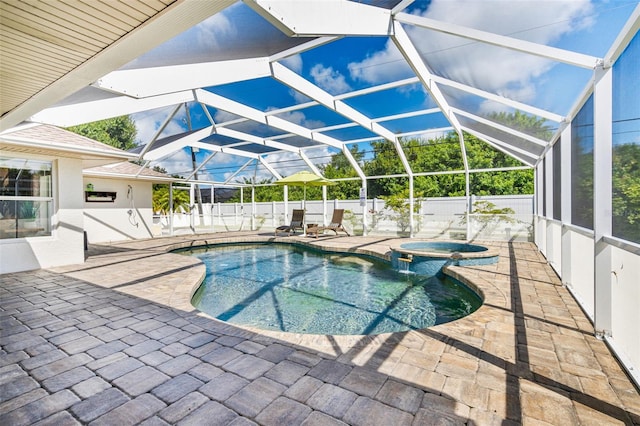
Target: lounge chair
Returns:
[[296, 223], [335, 225]]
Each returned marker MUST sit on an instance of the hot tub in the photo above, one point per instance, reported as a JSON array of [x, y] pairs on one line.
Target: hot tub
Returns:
[[429, 257]]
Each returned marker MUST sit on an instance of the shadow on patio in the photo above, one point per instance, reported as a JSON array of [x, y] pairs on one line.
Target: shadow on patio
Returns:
[[77, 351]]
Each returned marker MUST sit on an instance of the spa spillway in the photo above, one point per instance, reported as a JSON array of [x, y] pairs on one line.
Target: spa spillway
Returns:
[[429, 257]]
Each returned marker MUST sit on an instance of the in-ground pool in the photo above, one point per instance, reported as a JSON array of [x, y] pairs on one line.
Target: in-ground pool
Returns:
[[293, 289]]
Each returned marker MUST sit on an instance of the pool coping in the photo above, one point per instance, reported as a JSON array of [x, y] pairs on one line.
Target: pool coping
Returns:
[[489, 252]]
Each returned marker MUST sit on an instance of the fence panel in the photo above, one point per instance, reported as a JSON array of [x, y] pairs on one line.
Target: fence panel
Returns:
[[443, 218]]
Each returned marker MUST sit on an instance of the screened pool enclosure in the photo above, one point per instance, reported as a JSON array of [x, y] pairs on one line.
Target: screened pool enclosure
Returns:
[[240, 94]]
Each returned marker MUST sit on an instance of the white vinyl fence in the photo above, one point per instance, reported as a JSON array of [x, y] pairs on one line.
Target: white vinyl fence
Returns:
[[443, 218]]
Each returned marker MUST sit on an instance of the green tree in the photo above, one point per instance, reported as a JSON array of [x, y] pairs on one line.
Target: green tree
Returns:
[[482, 156], [520, 121], [626, 191], [161, 200], [119, 132], [160, 196], [444, 154], [262, 193], [385, 161], [340, 167], [433, 155]]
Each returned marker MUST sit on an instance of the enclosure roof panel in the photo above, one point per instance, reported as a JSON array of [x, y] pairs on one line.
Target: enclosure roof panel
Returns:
[[269, 80]]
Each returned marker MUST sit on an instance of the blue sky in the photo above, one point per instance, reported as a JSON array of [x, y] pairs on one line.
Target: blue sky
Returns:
[[359, 62]]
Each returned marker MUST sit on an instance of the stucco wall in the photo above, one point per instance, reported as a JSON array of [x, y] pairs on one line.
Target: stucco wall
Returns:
[[106, 221], [66, 243]]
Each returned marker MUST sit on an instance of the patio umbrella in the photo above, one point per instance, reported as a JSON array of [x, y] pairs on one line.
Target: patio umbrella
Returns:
[[304, 179]]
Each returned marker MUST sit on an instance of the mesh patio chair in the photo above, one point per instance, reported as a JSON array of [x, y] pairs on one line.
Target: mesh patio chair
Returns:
[[297, 219], [335, 225]]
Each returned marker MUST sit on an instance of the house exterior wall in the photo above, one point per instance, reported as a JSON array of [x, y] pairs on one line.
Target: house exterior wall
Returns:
[[65, 244], [111, 221]]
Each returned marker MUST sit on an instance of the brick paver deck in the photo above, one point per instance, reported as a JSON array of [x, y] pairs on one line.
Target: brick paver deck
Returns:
[[115, 341]]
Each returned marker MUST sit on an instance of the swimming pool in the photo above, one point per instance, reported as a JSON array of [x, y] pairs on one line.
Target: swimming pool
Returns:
[[288, 288]]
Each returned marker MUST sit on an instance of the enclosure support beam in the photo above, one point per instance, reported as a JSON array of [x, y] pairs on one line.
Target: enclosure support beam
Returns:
[[244, 166], [253, 206], [148, 146], [326, 18], [549, 52], [501, 146], [204, 162], [565, 206], [497, 98], [364, 207], [270, 168], [415, 61], [171, 208], [501, 127], [233, 107], [602, 203]]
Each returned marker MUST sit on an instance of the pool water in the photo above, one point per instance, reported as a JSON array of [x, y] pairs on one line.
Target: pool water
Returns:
[[443, 247], [291, 289]]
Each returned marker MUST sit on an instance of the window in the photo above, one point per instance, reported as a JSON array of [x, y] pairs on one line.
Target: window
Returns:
[[626, 144], [582, 166], [25, 198], [557, 192]]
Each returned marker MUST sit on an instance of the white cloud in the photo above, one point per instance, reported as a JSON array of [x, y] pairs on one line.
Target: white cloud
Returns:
[[489, 107], [300, 98], [294, 63], [195, 44], [178, 163], [329, 79], [542, 24], [287, 163], [148, 122], [381, 67], [298, 117], [213, 31], [222, 116], [491, 68]]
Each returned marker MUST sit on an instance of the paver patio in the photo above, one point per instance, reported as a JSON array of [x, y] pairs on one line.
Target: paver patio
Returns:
[[115, 341]]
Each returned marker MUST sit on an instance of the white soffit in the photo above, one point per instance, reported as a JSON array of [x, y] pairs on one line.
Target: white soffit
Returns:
[[111, 37]]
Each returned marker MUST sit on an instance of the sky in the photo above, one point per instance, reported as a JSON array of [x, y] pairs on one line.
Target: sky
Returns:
[[354, 63]]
